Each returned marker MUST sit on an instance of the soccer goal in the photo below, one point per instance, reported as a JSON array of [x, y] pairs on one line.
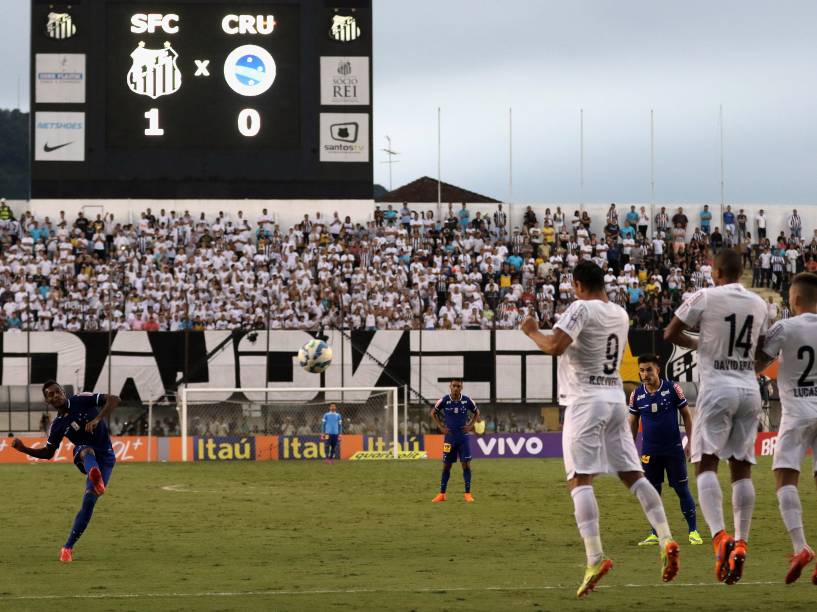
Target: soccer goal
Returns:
[[282, 411]]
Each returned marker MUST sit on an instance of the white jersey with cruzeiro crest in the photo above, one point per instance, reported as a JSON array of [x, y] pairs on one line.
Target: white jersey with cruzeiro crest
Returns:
[[795, 342], [730, 319], [589, 368]]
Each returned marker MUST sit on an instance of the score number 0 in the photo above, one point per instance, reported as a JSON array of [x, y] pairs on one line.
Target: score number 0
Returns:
[[249, 123]]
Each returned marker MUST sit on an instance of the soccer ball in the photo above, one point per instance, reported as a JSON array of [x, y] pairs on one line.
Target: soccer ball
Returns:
[[315, 356]]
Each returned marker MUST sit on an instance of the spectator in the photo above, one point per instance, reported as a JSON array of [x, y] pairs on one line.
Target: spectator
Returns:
[[706, 218], [760, 222]]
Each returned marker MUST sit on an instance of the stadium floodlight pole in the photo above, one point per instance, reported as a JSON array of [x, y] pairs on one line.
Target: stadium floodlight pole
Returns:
[[439, 162], [581, 158], [652, 172], [720, 125], [510, 158]]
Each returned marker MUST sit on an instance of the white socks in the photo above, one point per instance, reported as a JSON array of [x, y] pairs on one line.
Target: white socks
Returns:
[[743, 503], [792, 513], [587, 518], [650, 501], [710, 498]]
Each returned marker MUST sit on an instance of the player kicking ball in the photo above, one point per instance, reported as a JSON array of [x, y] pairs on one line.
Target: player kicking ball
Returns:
[[730, 319], [657, 403], [79, 419], [590, 338], [455, 415], [794, 342]]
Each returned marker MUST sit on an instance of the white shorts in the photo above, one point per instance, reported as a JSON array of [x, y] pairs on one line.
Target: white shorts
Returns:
[[795, 436], [725, 423], [597, 440]]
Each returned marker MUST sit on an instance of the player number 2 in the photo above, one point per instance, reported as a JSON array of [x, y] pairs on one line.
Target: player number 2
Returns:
[[611, 354], [249, 122], [153, 128], [802, 353]]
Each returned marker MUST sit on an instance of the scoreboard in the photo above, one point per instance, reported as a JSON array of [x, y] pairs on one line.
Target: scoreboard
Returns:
[[201, 99]]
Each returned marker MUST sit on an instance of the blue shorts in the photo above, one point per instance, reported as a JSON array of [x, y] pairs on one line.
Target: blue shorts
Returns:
[[675, 465], [456, 446], [105, 459], [332, 439]]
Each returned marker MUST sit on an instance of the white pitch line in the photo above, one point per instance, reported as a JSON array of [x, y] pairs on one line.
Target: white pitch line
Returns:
[[279, 593]]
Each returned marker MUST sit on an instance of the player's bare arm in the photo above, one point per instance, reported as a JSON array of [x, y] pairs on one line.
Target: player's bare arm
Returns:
[[437, 420], [469, 426], [686, 417], [676, 332], [633, 420], [111, 402], [762, 360], [553, 344], [38, 453]]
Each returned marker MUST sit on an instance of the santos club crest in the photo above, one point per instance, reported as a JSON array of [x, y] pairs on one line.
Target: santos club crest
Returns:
[[154, 72], [60, 26], [344, 28]]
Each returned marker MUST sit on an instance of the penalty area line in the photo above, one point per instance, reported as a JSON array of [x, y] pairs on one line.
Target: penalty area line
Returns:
[[363, 591]]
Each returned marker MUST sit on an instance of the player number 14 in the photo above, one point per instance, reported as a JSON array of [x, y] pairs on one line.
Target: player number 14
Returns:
[[249, 123]]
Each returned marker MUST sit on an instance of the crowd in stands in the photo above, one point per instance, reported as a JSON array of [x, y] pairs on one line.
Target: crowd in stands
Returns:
[[401, 270]]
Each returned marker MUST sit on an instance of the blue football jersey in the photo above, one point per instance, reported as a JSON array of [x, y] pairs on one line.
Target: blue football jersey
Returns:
[[455, 413], [332, 423], [659, 417], [82, 409]]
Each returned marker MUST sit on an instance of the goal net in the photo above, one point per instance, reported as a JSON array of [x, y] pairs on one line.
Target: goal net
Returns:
[[279, 411]]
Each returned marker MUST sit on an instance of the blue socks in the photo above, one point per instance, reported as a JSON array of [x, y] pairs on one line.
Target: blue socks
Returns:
[[444, 480], [687, 506], [84, 515], [90, 462], [466, 476]]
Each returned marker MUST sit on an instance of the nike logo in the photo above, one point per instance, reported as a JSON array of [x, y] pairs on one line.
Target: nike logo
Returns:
[[48, 149]]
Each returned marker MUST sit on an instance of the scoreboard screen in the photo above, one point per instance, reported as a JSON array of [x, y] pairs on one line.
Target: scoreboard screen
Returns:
[[201, 99]]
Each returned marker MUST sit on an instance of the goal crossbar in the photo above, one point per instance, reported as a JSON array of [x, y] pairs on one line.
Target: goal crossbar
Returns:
[[184, 390]]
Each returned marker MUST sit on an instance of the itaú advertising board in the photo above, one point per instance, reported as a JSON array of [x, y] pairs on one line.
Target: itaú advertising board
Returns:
[[131, 449]]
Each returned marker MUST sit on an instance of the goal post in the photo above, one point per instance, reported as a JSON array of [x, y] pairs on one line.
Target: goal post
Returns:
[[205, 411]]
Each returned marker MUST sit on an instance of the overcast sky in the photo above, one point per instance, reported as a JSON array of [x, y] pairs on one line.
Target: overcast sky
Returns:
[[617, 60]]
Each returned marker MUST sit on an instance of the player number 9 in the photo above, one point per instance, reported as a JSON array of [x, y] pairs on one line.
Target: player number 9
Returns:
[[249, 122]]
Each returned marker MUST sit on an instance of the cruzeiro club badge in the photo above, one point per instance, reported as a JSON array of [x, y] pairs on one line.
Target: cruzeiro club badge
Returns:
[[249, 70], [154, 72], [60, 26]]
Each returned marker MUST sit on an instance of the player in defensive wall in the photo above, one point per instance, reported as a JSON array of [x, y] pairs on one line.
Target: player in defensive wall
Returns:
[[794, 342], [590, 338]]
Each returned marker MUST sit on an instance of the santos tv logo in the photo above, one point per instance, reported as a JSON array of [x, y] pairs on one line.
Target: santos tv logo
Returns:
[[344, 137]]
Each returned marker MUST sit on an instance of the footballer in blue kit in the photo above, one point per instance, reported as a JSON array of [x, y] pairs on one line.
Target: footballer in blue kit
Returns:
[[331, 428], [657, 403], [455, 415], [81, 419]]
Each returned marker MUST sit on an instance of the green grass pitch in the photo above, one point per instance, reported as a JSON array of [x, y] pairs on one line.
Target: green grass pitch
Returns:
[[362, 536]]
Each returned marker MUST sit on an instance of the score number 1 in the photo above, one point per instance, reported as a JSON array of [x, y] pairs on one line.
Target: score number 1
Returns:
[[249, 123]]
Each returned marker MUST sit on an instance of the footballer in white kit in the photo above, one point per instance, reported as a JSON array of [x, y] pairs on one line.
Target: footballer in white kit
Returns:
[[794, 343], [589, 339], [730, 320]]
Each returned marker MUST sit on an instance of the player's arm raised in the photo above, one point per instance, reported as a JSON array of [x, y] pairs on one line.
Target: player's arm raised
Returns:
[[111, 402], [553, 344], [46, 452]]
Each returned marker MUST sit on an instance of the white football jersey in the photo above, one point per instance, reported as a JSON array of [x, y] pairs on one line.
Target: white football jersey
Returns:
[[589, 368], [730, 319], [795, 342]]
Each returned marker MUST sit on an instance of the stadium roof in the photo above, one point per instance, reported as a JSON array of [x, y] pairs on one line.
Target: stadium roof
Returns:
[[424, 189]]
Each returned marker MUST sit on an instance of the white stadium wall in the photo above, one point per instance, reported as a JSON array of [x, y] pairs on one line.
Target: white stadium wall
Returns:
[[289, 212]]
